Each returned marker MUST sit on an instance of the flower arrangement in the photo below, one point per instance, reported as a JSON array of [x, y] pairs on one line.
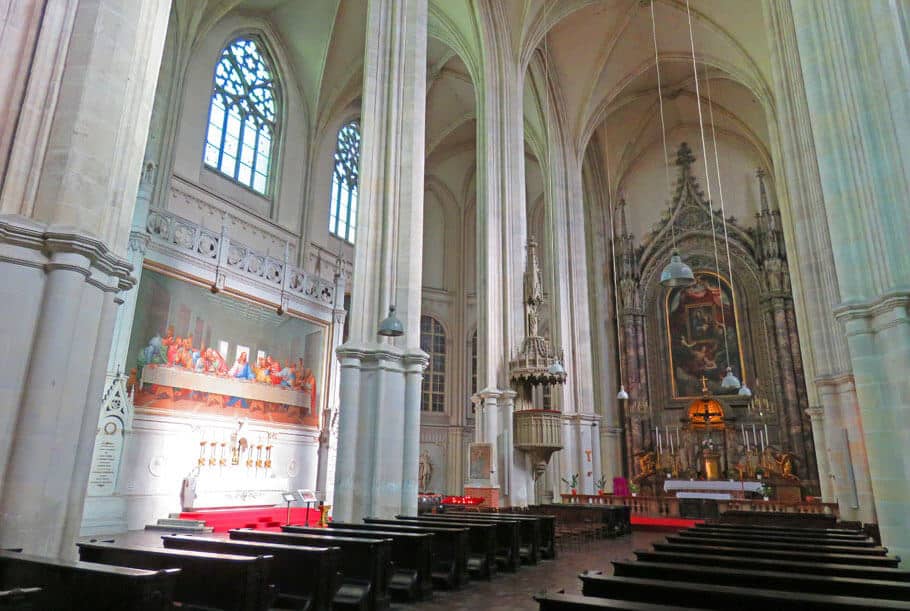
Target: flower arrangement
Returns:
[[600, 484], [767, 491], [633, 488], [708, 444], [572, 483]]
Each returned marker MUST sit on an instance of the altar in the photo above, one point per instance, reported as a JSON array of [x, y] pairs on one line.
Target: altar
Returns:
[[231, 487], [718, 490]]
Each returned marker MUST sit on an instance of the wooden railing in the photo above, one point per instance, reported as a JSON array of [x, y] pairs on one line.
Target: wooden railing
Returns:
[[668, 506]]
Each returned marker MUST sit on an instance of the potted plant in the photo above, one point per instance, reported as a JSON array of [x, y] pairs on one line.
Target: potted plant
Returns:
[[572, 484], [600, 485], [767, 491], [633, 488], [758, 473]]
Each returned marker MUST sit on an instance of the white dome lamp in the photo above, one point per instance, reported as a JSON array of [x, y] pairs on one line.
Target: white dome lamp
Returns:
[[676, 273], [556, 369], [730, 381], [622, 395], [745, 391], [390, 325]]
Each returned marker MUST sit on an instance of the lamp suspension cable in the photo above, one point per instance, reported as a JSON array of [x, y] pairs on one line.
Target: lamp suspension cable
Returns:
[[676, 273], [744, 390], [622, 394], [704, 153], [663, 125]]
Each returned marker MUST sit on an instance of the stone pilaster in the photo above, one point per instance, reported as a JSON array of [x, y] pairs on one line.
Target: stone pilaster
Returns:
[[68, 204], [817, 418], [854, 62], [379, 428]]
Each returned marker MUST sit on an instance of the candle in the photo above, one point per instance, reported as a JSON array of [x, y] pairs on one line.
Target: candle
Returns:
[[767, 438], [660, 446], [677, 436]]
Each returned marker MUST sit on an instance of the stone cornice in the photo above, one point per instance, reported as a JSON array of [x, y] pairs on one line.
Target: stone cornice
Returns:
[[56, 240], [855, 310]]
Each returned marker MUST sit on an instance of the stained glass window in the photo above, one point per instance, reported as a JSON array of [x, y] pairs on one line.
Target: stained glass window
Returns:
[[242, 116], [433, 342], [343, 206]]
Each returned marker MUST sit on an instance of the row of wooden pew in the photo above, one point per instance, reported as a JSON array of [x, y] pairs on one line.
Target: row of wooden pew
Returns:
[[743, 567], [361, 567]]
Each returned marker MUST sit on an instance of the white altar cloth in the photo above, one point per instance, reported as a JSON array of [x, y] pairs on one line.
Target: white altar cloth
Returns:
[[711, 486], [231, 387], [713, 496], [231, 487]]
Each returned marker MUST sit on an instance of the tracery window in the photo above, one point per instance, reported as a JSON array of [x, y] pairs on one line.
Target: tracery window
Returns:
[[343, 205], [242, 116], [433, 342]]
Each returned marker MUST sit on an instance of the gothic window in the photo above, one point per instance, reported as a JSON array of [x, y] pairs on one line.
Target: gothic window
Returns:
[[433, 342], [343, 206], [241, 130]]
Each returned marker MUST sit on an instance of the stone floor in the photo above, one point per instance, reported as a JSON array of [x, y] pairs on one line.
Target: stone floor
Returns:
[[514, 591], [506, 591]]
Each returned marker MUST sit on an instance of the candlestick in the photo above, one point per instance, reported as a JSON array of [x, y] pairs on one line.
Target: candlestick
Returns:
[[767, 438]]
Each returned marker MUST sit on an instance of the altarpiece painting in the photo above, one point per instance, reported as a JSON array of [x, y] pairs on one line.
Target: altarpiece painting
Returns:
[[703, 335]]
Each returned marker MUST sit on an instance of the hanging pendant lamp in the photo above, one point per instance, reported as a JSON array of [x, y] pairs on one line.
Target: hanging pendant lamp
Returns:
[[390, 325], [622, 395], [730, 381], [677, 273], [745, 391]]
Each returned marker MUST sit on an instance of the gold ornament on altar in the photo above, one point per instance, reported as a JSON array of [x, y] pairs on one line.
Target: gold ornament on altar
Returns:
[[268, 456], [212, 460], [201, 461]]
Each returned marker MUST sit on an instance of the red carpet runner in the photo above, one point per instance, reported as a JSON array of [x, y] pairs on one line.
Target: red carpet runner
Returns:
[[645, 522], [263, 518]]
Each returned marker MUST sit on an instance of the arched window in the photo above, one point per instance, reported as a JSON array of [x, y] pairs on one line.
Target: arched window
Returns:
[[433, 342], [343, 206], [241, 131]]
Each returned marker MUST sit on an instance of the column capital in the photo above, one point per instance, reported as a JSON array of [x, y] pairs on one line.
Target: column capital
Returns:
[[816, 413]]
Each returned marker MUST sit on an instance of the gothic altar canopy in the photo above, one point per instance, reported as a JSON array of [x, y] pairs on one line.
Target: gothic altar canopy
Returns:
[[738, 315]]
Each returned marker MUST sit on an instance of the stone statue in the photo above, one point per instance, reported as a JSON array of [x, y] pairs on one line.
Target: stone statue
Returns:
[[533, 290], [424, 471]]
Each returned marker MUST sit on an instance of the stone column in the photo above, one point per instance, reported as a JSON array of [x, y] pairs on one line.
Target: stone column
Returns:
[[379, 432], [501, 228], [817, 417], [611, 453], [791, 413], [856, 70], [328, 436], [67, 204]]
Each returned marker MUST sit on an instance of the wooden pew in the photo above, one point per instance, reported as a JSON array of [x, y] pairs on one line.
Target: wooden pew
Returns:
[[529, 529], [69, 585], [547, 541], [304, 576], [573, 602], [774, 580], [711, 596], [451, 548], [507, 554], [773, 545], [412, 554], [802, 556], [764, 564], [228, 582], [782, 533], [482, 557], [365, 563], [706, 535], [20, 599], [814, 532]]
